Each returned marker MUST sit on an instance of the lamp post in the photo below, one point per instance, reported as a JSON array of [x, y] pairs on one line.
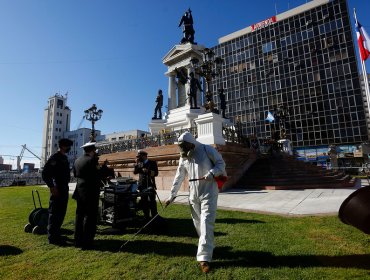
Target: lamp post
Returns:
[[208, 68], [93, 114], [282, 114]]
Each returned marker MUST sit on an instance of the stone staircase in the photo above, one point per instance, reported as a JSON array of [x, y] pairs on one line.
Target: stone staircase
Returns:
[[283, 172]]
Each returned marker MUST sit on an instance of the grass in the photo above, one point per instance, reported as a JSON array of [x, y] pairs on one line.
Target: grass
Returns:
[[249, 246]]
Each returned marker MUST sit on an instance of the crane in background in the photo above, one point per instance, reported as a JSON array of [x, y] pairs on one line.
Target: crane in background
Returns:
[[19, 158], [79, 125]]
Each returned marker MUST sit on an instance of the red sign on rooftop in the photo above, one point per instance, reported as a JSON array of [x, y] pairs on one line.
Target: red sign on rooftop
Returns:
[[263, 23]]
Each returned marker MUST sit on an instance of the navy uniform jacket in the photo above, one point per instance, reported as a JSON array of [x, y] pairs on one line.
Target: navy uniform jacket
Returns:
[[86, 170], [146, 179], [56, 171]]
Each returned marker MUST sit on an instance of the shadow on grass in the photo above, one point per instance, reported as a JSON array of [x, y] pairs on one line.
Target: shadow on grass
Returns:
[[165, 227], [147, 247], [226, 258], [238, 221], [7, 250]]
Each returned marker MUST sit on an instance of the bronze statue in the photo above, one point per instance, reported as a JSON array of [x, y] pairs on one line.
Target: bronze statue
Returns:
[[158, 107], [194, 86], [181, 76], [187, 29], [222, 102]]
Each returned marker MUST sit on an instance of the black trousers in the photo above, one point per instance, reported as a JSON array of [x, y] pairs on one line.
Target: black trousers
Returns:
[[57, 212], [149, 204], [86, 219]]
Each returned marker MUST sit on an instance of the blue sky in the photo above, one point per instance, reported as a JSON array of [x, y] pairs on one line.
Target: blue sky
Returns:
[[104, 52]]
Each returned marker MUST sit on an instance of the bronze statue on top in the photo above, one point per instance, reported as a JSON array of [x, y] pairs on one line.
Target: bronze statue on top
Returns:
[[187, 28]]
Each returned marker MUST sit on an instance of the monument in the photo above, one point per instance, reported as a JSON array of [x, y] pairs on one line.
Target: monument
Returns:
[[189, 72]]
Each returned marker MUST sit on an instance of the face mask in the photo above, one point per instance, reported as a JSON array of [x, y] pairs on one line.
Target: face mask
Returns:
[[186, 151]]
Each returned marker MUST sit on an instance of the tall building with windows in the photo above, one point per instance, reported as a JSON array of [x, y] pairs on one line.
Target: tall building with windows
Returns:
[[303, 60], [57, 119]]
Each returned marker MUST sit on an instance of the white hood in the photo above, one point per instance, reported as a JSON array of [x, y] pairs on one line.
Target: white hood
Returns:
[[188, 137]]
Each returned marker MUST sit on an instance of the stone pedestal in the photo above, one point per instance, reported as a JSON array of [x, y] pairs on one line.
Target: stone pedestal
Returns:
[[182, 118], [210, 129], [156, 126]]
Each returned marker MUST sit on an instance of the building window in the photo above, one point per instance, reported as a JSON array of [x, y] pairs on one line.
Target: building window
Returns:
[[268, 47]]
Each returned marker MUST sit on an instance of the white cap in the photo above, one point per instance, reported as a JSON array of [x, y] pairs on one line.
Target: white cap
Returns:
[[88, 144]]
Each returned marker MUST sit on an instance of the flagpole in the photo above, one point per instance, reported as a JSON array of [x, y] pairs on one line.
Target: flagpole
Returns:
[[364, 75], [366, 84]]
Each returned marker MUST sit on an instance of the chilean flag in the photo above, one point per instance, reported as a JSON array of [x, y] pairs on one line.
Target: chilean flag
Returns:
[[270, 117], [363, 41]]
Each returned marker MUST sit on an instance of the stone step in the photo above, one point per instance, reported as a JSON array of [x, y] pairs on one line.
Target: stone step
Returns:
[[289, 173]]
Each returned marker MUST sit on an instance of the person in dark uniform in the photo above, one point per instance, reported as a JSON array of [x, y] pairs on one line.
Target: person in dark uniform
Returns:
[[158, 107], [106, 173], [56, 175], [86, 170], [147, 170], [194, 86]]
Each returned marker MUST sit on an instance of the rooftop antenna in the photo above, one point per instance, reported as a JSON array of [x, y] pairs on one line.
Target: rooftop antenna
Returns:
[[276, 8]]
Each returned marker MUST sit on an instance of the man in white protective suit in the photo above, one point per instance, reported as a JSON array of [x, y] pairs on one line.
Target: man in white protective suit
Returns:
[[201, 162]]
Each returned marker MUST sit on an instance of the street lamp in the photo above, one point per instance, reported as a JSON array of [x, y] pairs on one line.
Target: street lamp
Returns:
[[93, 114], [282, 113], [208, 68]]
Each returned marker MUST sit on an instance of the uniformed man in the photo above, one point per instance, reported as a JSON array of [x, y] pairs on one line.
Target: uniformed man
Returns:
[[86, 170], [56, 174], [147, 170]]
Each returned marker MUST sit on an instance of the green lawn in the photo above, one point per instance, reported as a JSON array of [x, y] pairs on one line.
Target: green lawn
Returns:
[[249, 246]]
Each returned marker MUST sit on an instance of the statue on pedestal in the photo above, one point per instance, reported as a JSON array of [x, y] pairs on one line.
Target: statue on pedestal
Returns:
[[158, 107], [222, 102], [194, 86], [181, 76], [187, 28]]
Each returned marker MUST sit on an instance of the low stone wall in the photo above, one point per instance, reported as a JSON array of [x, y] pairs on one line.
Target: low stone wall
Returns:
[[237, 158]]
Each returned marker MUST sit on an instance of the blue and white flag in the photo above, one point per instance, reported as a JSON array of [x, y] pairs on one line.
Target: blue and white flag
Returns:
[[270, 117]]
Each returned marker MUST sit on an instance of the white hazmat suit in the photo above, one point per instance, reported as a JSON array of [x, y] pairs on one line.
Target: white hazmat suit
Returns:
[[204, 161]]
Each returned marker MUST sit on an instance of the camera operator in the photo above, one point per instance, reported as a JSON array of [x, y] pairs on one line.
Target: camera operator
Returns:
[[147, 170]]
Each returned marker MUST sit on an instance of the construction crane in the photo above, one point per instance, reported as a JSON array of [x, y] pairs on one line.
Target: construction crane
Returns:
[[79, 125], [19, 158]]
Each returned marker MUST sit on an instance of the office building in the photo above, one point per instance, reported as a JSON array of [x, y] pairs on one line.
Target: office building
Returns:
[[302, 60], [57, 119]]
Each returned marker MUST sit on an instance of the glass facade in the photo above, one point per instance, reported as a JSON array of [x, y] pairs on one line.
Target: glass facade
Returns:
[[305, 63]]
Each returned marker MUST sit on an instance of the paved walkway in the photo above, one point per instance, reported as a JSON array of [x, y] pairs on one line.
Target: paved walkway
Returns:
[[283, 202]]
